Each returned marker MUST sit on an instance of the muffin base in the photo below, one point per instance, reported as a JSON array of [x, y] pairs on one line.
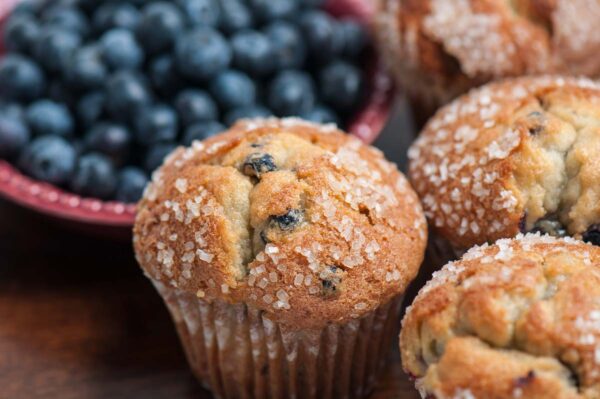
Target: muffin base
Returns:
[[237, 352]]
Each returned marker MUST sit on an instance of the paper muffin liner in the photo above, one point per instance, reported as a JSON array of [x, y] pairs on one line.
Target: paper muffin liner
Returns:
[[439, 252], [237, 352]]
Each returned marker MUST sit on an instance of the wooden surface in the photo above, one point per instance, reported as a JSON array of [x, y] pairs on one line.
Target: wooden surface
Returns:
[[79, 320]]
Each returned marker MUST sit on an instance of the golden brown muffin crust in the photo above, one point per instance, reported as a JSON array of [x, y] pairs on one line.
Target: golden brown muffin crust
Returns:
[[300, 220], [518, 319], [438, 49], [510, 156]]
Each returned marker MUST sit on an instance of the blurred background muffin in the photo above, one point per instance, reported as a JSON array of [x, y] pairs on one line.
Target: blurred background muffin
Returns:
[[519, 155], [438, 49], [518, 319], [282, 249]]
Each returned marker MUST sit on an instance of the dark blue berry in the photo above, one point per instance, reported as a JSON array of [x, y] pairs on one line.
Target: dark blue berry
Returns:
[[355, 38], [69, 18], [120, 49], [592, 235], [268, 10], [155, 124], [312, 3], [195, 106], [233, 89], [90, 108], [86, 70], [292, 93], [321, 35], [201, 12], [49, 117], [235, 16], [20, 33], [289, 50], [160, 24], [252, 52], [29, 7], [156, 154], [95, 177], [126, 94], [164, 76], [202, 53], [258, 164], [116, 15], [12, 110], [131, 183], [249, 112], [20, 78], [61, 92], [201, 131], [341, 85], [14, 135], [55, 47], [110, 139], [321, 114], [49, 158]]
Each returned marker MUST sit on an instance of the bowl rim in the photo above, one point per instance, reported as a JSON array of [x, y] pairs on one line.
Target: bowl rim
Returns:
[[50, 200]]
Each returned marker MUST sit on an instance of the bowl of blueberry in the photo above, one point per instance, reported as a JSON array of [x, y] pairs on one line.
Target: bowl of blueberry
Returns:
[[94, 94]]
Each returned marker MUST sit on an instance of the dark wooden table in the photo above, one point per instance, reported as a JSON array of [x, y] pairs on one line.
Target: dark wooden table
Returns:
[[79, 320]]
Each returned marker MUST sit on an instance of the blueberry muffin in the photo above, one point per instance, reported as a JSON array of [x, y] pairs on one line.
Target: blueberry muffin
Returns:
[[282, 249], [438, 49], [512, 157], [518, 319]]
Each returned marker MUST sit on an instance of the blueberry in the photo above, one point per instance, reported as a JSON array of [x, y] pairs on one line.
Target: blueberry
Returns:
[[14, 135], [160, 24], [252, 52], [165, 77], [341, 85], [195, 106], [29, 7], [116, 15], [156, 154], [252, 111], [233, 89], [268, 10], [201, 12], [95, 177], [55, 47], [201, 131], [312, 3], [12, 110], [49, 158], [60, 92], [235, 16], [321, 35], [90, 108], [289, 50], [592, 235], [155, 124], [126, 93], [120, 50], [20, 78], [69, 18], [131, 183], [258, 164], [86, 70], [292, 93], [321, 114], [49, 117], [110, 139], [202, 53], [289, 220], [20, 33], [354, 36]]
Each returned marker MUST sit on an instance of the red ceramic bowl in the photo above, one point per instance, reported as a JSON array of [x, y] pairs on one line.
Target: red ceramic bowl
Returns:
[[115, 219]]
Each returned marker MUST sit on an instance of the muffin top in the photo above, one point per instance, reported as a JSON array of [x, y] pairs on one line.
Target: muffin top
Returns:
[[518, 319], [515, 156], [454, 45], [297, 219]]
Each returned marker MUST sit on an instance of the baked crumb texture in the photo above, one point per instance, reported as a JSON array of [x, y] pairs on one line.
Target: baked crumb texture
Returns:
[[438, 49], [518, 319], [521, 155], [296, 219]]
